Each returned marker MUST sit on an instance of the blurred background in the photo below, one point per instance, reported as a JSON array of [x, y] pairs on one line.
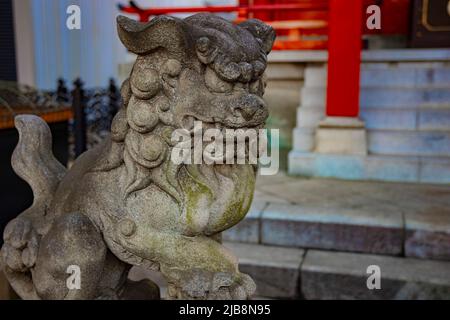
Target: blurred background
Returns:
[[360, 91]]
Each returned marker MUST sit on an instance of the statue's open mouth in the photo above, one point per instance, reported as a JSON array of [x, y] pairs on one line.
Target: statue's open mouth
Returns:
[[229, 122], [215, 143]]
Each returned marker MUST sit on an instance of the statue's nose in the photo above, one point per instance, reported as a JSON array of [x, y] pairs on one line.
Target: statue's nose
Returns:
[[249, 105]]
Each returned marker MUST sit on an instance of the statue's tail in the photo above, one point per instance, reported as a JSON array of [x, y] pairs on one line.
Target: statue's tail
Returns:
[[33, 158], [34, 162]]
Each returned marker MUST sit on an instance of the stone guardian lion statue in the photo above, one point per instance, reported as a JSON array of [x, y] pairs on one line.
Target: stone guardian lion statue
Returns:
[[124, 203]]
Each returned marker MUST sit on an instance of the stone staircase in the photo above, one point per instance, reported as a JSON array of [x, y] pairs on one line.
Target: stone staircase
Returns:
[[289, 273], [315, 239], [406, 110]]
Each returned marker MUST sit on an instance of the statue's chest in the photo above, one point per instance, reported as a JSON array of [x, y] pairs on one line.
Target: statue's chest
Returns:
[[143, 214], [126, 241]]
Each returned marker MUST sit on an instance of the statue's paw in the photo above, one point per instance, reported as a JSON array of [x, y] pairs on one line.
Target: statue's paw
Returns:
[[219, 286], [20, 249], [243, 288]]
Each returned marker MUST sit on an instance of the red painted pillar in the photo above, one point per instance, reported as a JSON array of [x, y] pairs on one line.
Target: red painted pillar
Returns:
[[344, 58]]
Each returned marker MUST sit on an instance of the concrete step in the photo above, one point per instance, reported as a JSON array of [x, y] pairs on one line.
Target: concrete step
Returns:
[[413, 142], [434, 170], [384, 97], [405, 77], [437, 119], [292, 273], [328, 228], [426, 169], [390, 119], [276, 271], [338, 275], [412, 228], [403, 97], [385, 75]]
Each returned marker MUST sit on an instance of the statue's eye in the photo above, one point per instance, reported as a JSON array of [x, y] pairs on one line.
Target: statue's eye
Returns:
[[215, 84]]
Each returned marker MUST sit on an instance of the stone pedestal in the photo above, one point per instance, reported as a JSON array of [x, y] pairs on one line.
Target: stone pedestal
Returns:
[[341, 135]]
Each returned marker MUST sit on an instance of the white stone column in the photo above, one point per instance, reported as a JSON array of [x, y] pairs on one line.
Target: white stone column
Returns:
[[312, 107], [341, 135]]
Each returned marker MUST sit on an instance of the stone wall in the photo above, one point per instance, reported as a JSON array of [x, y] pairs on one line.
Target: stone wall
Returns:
[[283, 96]]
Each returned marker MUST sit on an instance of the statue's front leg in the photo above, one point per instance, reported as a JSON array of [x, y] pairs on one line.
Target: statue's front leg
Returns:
[[208, 271], [195, 267]]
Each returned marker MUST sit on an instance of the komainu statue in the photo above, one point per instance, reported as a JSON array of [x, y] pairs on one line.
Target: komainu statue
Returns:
[[124, 203]]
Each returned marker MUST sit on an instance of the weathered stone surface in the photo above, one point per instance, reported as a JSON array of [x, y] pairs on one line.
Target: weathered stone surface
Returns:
[[138, 273], [427, 235], [332, 228], [275, 270], [127, 202], [337, 275], [248, 229]]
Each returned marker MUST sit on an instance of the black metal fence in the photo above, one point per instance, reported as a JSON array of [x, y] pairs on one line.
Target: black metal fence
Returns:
[[93, 111]]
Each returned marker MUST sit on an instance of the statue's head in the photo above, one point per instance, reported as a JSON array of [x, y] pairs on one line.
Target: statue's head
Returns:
[[216, 68], [201, 68]]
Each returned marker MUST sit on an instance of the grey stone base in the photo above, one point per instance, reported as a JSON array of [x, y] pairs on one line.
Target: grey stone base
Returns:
[[337, 275], [333, 229], [276, 271], [418, 230], [293, 273], [372, 167]]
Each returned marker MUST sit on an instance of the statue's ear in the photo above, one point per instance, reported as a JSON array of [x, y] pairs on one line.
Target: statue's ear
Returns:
[[160, 32], [261, 31]]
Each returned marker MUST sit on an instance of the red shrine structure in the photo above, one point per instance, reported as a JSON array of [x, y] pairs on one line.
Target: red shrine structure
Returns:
[[340, 21], [344, 141]]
